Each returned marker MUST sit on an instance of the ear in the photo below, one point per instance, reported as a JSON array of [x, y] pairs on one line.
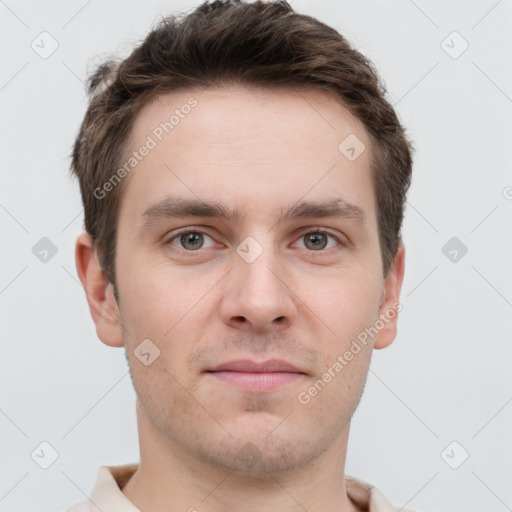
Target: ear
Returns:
[[99, 293], [390, 302]]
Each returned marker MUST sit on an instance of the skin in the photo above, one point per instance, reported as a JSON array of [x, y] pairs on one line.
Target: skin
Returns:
[[256, 150]]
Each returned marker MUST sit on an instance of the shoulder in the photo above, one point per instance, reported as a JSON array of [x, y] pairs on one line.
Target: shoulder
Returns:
[[368, 497]]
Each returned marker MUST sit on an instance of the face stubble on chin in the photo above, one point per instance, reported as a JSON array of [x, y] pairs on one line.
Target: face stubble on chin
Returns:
[[191, 311], [265, 434]]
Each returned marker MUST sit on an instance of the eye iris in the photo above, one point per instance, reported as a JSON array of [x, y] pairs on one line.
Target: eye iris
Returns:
[[195, 239], [316, 239]]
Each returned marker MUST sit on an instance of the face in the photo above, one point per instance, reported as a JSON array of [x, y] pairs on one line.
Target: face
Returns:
[[248, 255]]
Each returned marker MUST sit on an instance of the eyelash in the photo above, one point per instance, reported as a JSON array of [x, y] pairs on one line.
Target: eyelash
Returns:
[[309, 231]]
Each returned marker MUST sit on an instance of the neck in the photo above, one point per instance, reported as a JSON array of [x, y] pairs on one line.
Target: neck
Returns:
[[168, 475]]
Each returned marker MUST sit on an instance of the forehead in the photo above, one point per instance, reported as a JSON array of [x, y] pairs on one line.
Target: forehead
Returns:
[[231, 113], [239, 142]]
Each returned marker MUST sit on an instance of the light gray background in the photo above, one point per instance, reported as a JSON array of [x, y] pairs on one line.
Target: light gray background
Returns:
[[447, 375]]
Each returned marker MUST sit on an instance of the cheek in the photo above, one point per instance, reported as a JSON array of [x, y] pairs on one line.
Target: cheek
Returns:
[[334, 395], [170, 311], [347, 305], [157, 299]]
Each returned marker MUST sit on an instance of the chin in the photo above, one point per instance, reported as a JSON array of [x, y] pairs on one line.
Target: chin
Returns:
[[262, 453]]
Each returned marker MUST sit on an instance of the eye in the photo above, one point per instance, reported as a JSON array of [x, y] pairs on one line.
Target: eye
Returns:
[[191, 240], [318, 240]]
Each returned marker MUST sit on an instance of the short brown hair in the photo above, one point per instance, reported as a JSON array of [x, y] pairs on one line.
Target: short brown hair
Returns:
[[233, 42]]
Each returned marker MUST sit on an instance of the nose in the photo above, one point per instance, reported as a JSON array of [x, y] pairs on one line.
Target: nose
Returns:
[[257, 297]]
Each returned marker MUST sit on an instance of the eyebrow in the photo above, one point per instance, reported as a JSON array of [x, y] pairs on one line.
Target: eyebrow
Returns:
[[176, 207]]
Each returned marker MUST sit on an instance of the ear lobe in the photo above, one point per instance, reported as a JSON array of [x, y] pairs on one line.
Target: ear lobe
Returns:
[[99, 293], [390, 300]]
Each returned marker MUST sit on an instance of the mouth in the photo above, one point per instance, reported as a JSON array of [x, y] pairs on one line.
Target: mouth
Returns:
[[257, 377]]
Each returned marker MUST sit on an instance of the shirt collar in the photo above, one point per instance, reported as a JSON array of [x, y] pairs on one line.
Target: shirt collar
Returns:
[[107, 496]]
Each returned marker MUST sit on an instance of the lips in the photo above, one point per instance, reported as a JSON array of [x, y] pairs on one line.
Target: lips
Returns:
[[250, 376], [245, 366]]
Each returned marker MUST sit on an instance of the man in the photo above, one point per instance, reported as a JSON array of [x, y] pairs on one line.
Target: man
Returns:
[[243, 181]]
